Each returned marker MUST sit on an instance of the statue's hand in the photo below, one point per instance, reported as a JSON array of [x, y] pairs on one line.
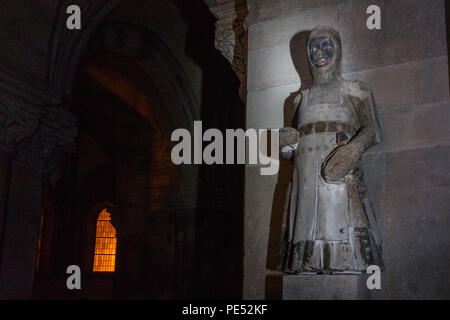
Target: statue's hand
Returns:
[[288, 136], [341, 162]]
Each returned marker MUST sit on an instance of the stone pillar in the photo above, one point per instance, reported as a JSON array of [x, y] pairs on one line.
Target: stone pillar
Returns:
[[231, 36], [5, 167], [34, 131], [20, 235], [16, 122]]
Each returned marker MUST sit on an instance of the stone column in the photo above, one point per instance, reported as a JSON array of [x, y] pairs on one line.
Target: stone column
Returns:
[[5, 167], [231, 36], [16, 123], [34, 132], [5, 163]]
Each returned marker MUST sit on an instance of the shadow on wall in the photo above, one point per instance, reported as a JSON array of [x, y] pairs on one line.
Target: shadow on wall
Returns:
[[298, 48]]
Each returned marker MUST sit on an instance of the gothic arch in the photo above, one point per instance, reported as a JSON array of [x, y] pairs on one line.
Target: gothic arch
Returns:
[[177, 107], [67, 48], [157, 61]]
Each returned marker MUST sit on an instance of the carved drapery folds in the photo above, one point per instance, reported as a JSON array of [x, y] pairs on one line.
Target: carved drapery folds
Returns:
[[231, 36]]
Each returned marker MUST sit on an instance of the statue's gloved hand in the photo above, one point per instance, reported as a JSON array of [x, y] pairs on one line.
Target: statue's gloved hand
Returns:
[[340, 162], [288, 141], [288, 136]]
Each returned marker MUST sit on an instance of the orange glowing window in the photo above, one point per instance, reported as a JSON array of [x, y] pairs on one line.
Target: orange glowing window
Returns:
[[105, 244]]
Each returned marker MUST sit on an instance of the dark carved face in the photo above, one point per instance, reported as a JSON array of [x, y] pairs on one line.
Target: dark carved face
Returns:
[[321, 51]]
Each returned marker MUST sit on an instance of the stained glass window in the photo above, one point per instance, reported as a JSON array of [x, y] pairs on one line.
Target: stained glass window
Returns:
[[105, 244]]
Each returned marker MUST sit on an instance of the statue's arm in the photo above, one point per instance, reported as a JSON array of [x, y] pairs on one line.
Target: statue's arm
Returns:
[[369, 133], [364, 140], [289, 136], [346, 157]]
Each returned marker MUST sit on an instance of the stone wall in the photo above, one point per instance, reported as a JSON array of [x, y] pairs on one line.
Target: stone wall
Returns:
[[408, 175]]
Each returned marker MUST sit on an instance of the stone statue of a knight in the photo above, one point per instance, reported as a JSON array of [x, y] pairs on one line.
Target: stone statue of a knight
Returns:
[[328, 225]]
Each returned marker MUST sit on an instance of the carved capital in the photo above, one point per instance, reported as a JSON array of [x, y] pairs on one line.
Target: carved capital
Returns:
[[16, 123], [231, 37], [54, 136], [34, 127], [21, 98]]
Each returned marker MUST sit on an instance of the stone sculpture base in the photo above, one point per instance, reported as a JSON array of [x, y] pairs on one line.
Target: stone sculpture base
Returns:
[[325, 287]]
